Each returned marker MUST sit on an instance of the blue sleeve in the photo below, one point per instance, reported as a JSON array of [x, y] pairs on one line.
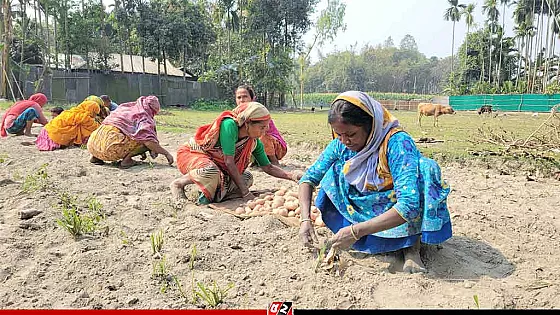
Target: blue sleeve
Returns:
[[315, 173], [113, 106], [403, 158]]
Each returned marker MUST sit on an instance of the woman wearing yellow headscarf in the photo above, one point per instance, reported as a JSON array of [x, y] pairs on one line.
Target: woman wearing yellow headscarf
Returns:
[[71, 127], [104, 110], [217, 157]]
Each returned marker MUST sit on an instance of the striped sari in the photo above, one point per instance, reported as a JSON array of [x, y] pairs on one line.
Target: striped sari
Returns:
[[203, 160]]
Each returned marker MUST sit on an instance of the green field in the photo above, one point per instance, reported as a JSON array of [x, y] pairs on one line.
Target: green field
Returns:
[[461, 134]]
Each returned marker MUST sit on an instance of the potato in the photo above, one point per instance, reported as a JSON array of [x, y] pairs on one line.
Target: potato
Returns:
[[283, 212], [269, 198], [248, 209], [258, 208], [268, 203], [291, 214], [293, 194], [260, 201], [280, 193], [298, 210], [267, 208], [251, 204], [291, 206], [290, 198], [319, 221], [314, 209], [275, 210], [240, 210], [313, 216], [279, 199]]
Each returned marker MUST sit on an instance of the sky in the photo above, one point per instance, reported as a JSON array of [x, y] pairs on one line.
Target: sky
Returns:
[[372, 21]]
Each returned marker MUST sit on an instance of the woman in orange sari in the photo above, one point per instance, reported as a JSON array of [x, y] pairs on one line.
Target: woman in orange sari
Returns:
[[217, 157], [71, 127]]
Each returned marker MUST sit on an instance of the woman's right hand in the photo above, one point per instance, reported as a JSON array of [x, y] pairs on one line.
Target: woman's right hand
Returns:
[[307, 233], [249, 196], [169, 158]]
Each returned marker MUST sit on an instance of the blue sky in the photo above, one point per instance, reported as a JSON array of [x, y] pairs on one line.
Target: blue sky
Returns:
[[372, 21]]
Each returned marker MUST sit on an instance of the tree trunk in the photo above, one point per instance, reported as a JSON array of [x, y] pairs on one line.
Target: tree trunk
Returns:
[[23, 37], [48, 44], [538, 48], [56, 43], [519, 49], [501, 44], [466, 46], [453, 48], [490, 54], [35, 8], [7, 38], [66, 40], [546, 60]]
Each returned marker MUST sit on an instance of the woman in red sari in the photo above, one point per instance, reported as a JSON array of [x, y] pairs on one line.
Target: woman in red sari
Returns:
[[217, 157]]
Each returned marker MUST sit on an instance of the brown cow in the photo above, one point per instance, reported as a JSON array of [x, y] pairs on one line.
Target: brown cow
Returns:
[[436, 110]]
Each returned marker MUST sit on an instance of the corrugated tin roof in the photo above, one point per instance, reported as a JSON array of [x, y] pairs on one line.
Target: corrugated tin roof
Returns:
[[151, 67]]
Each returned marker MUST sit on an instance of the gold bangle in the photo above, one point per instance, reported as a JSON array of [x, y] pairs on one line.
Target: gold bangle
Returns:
[[353, 233], [304, 220]]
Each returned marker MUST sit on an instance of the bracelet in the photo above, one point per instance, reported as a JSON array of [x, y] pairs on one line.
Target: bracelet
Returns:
[[304, 220], [353, 233]]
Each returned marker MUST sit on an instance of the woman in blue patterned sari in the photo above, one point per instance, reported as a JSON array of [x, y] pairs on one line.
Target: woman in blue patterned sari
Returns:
[[377, 192]]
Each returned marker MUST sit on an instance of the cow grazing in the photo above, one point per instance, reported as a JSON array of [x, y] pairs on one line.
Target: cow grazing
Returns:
[[436, 110], [485, 109]]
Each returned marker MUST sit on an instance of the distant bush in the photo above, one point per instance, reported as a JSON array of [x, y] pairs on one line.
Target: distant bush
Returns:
[[316, 99], [212, 105]]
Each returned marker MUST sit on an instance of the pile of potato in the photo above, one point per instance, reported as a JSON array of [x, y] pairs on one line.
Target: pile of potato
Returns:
[[283, 202]]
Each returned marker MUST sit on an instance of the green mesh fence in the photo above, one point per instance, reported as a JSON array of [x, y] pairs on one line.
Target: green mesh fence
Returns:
[[517, 102]]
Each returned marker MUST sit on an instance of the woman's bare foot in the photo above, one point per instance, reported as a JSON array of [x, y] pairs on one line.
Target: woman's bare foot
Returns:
[[412, 260], [177, 190], [96, 161], [127, 163]]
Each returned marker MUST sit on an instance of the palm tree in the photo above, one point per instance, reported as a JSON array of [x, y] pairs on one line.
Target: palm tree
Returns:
[[452, 14], [467, 12], [504, 4], [227, 11], [521, 35], [491, 10]]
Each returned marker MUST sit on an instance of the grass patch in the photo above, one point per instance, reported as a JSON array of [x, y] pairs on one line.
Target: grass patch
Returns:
[[212, 295], [37, 180], [77, 219], [156, 241], [305, 131]]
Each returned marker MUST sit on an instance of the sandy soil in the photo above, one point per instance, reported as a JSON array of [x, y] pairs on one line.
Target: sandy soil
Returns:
[[505, 247]]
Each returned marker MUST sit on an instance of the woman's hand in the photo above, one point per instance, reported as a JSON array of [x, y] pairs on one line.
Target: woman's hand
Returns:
[[248, 196], [343, 239], [297, 175], [169, 158], [307, 233]]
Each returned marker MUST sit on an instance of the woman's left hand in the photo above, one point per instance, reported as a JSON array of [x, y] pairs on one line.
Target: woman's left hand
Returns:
[[343, 239], [296, 176]]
